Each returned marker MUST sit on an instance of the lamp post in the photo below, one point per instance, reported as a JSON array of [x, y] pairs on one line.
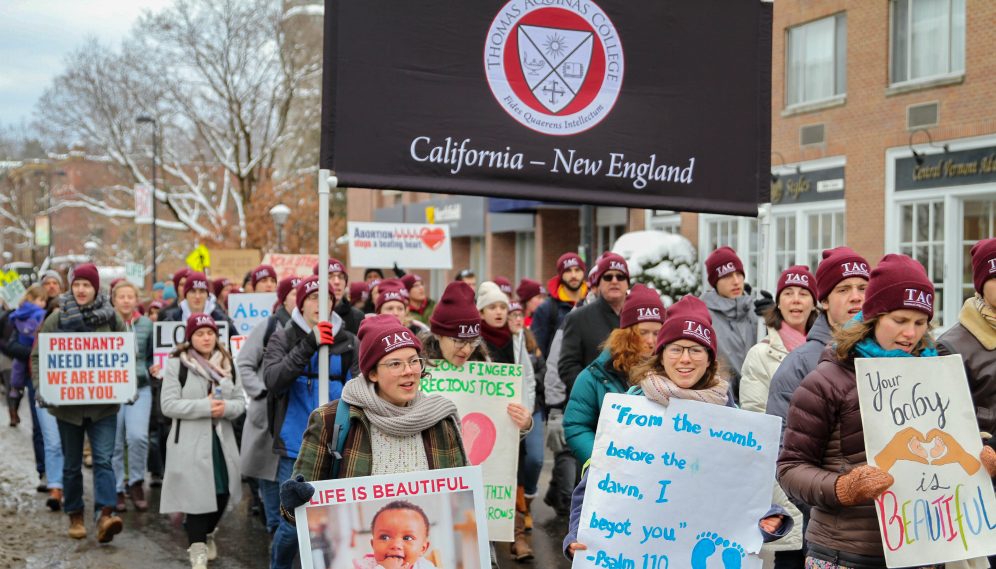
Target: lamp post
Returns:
[[280, 213], [147, 119]]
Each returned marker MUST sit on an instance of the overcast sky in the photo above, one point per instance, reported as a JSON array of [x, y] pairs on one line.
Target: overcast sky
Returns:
[[36, 34]]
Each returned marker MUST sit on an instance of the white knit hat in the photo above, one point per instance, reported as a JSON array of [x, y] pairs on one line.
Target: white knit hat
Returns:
[[488, 294]]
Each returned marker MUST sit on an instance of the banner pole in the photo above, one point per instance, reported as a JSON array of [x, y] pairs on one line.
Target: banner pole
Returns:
[[325, 181], [763, 232]]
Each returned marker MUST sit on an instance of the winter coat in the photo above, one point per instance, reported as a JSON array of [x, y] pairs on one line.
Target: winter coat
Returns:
[[760, 365], [824, 439], [584, 331], [76, 413], [539, 372], [188, 483], [142, 327], [735, 324], [975, 340], [423, 316], [351, 317], [549, 316], [258, 458], [554, 390], [219, 315], [25, 321], [528, 374], [290, 372], [795, 367], [581, 415]]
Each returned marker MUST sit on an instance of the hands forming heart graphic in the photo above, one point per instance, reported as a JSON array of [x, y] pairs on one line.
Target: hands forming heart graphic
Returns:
[[941, 448]]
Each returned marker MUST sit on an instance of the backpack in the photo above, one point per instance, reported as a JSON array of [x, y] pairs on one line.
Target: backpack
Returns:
[[340, 430]]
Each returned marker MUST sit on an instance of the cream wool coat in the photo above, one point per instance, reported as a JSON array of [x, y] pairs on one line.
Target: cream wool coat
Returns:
[[759, 367], [188, 484]]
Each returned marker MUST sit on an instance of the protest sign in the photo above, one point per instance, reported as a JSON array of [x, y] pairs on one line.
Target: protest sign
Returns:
[[338, 529], [234, 263], [135, 273], [83, 369], [235, 343], [482, 392], [12, 293], [920, 426], [677, 486], [413, 245], [248, 310], [291, 265], [168, 335]]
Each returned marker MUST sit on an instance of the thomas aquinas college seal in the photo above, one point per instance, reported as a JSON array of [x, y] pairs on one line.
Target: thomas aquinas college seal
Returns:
[[556, 66]]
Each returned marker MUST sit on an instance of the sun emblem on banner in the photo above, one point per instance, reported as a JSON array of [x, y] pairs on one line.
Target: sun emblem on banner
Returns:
[[556, 70]]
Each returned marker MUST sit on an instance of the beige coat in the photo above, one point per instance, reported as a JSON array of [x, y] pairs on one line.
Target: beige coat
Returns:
[[188, 484]]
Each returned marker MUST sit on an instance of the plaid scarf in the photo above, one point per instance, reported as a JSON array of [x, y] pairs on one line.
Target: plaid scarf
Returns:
[[985, 310], [76, 318]]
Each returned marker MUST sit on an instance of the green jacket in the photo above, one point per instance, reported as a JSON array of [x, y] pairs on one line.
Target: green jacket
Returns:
[[424, 316], [581, 414], [142, 326], [75, 413]]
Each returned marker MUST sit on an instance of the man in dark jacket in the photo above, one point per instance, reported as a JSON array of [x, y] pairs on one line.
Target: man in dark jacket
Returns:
[[339, 280], [179, 280], [565, 289], [290, 373]]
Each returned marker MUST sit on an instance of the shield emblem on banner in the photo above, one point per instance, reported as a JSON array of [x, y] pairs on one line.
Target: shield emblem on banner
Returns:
[[554, 62]]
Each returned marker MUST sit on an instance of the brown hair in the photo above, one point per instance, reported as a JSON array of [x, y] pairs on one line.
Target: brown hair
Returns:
[[35, 292], [531, 346], [773, 317], [847, 337], [625, 346], [184, 347], [655, 364]]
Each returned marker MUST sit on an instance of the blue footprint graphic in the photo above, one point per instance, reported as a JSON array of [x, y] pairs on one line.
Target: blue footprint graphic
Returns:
[[706, 546]]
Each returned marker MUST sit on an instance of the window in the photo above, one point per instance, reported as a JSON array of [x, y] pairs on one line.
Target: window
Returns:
[[826, 231], [816, 68], [525, 255], [784, 242], [607, 235], [922, 238], [978, 225], [928, 39]]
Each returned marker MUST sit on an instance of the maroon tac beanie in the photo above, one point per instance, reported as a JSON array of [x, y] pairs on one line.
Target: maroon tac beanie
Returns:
[[688, 319], [456, 314], [722, 262], [220, 284], [504, 284], [89, 272], [196, 281], [409, 280], [609, 262], [528, 288], [983, 263], [390, 290], [568, 260], [643, 304], [358, 291], [114, 282], [283, 289], [515, 306], [308, 286], [379, 336], [796, 275], [837, 265], [334, 265], [898, 283], [158, 304], [197, 321], [261, 272], [180, 275]]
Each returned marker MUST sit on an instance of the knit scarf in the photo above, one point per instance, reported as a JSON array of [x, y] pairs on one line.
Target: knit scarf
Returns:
[[76, 318], [419, 414], [985, 310], [659, 388], [497, 336], [870, 348], [791, 337]]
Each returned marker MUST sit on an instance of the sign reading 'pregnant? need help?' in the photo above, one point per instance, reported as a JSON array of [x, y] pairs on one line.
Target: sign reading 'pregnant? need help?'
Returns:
[[83, 369], [677, 486], [482, 392]]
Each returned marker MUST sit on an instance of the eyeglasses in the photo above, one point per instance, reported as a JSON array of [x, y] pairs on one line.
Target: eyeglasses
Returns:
[[675, 351], [460, 344], [618, 277], [397, 367], [517, 315]]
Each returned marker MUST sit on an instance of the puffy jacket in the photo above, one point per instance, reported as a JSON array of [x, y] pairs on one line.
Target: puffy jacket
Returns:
[[581, 415], [585, 329], [795, 367], [549, 316], [290, 372], [824, 439], [975, 340], [760, 365], [735, 324]]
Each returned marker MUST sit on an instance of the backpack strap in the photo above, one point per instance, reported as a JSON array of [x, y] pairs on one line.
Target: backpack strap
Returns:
[[340, 431], [271, 327]]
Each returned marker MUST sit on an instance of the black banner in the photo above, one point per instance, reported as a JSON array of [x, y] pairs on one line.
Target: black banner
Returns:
[[663, 104]]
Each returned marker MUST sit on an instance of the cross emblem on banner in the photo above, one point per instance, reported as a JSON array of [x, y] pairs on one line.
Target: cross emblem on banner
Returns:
[[553, 92]]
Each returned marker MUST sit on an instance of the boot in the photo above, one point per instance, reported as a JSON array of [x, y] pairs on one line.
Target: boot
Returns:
[[138, 497], [76, 528], [519, 549], [109, 525], [121, 507], [157, 481], [212, 549], [529, 514], [14, 419], [198, 556], [54, 501], [42, 485]]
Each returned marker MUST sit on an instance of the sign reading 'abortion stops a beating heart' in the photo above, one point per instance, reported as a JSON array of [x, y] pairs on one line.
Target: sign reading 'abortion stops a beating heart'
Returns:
[[411, 245], [83, 369]]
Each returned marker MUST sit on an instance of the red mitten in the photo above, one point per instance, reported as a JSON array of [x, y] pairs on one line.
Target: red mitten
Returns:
[[323, 334], [988, 458], [862, 484]]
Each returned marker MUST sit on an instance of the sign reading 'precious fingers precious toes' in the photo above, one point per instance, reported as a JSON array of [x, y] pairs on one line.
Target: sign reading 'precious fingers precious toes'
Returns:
[[920, 427], [83, 369]]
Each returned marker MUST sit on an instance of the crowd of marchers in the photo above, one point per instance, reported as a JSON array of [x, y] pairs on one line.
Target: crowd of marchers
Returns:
[[205, 425]]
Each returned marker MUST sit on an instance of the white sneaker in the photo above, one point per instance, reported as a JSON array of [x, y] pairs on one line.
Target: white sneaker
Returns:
[[212, 548], [198, 556]]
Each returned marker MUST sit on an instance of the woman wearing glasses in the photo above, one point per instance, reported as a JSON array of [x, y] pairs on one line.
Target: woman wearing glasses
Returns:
[[639, 322], [683, 366]]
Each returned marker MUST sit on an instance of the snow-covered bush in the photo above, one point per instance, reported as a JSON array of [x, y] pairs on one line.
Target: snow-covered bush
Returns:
[[662, 261]]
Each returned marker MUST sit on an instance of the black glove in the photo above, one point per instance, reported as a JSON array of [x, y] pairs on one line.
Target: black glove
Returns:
[[765, 302], [747, 289], [398, 271], [295, 492]]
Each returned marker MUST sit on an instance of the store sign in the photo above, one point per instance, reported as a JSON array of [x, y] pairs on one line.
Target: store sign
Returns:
[[962, 168], [816, 186], [411, 245], [553, 101]]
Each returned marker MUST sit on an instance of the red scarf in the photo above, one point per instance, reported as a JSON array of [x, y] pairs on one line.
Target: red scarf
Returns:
[[498, 336], [420, 309]]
